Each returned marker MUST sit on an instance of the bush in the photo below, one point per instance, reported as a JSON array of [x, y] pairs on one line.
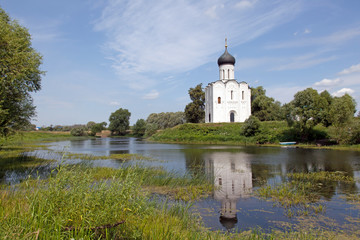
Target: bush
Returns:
[[77, 131], [139, 128], [251, 126]]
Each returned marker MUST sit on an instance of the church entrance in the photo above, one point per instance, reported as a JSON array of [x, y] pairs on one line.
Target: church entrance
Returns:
[[232, 117]]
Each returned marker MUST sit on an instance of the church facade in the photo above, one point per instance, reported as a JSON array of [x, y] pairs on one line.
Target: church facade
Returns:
[[227, 100]]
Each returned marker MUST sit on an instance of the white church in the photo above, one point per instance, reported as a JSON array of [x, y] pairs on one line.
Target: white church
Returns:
[[227, 100]]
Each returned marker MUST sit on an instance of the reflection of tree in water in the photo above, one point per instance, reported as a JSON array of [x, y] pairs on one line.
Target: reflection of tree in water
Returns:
[[308, 160], [260, 174], [232, 180]]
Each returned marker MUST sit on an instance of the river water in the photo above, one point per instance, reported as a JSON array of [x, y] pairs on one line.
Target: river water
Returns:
[[237, 172]]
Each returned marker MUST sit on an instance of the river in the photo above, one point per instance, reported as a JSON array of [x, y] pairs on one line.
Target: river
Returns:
[[237, 172]]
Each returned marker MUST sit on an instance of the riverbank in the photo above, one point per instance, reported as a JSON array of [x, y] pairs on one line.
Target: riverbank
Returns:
[[270, 134]]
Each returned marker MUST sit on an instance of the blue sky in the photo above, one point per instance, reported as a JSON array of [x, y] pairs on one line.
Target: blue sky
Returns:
[[145, 55]]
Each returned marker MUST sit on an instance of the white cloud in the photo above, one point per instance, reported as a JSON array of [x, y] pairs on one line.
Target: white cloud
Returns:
[[335, 38], [245, 4], [114, 103], [352, 69], [167, 37], [303, 61], [342, 92], [307, 31], [328, 82], [151, 95]]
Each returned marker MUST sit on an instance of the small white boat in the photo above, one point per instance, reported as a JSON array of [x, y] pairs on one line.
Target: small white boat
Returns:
[[287, 143]]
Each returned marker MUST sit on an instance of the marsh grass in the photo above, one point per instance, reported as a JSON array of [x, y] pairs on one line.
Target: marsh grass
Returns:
[[83, 199], [302, 192]]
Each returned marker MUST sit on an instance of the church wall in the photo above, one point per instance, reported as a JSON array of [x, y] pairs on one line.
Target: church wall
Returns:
[[234, 97]]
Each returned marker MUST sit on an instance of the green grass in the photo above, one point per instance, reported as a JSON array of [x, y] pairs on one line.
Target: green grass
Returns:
[[302, 192]]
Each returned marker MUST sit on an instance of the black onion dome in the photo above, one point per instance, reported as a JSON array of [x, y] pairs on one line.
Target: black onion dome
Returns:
[[226, 58]]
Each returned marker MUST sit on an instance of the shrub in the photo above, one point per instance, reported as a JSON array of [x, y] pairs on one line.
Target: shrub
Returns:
[[251, 126], [78, 131]]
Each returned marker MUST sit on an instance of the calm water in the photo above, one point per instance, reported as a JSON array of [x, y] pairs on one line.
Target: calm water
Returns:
[[237, 172]]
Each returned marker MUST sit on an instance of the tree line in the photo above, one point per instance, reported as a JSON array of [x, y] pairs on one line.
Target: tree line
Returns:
[[308, 109]]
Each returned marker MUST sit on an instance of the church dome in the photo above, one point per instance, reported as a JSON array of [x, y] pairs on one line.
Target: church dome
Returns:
[[226, 58]]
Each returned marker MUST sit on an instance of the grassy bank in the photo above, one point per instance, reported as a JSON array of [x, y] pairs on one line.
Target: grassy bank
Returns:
[[270, 134]]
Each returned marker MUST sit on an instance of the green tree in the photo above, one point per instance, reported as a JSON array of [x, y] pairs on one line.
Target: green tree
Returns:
[[139, 128], [119, 121], [342, 110], [20, 75], [97, 127], [251, 126], [195, 111], [306, 110], [263, 107], [90, 124], [166, 120], [78, 131]]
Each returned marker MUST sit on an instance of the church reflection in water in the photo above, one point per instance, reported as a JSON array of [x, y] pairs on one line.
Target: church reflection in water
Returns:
[[232, 181]]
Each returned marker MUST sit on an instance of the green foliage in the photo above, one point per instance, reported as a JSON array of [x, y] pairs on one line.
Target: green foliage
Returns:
[[78, 131], [139, 128], [194, 111], [166, 120], [251, 126], [348, 133], [97, 127], [306, 110], [20, 75], [119, 121], [263, 107], [342, 110]]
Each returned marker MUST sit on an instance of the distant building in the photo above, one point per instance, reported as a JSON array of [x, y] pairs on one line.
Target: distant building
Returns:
[[227, 100]]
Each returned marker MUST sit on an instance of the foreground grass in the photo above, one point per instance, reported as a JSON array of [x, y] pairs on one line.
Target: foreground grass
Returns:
[[78, 202]]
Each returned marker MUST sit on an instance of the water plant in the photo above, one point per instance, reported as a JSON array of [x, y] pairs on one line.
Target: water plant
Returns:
[[301, 193]]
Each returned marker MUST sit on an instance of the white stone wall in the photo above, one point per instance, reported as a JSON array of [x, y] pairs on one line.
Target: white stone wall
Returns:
[[226, 72], [234, 98]]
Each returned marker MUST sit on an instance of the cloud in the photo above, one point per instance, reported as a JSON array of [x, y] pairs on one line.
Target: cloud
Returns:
[[335, 38], [161, 37], [327, 82], [307, 31], [352, 69], [245, 4], [114, 103], [343, 91], [303, 61], [151, 95]]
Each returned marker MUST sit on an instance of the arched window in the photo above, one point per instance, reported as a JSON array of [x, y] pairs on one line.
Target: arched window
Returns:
[[209, 117], [242, 95], [231, 94], [219, 100], [223, 74], [228, 73]]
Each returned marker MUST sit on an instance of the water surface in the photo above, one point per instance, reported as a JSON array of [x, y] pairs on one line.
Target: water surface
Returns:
[[237, 171]]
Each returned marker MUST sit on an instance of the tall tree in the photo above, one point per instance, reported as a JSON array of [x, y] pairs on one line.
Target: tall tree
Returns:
[[342, 110], [306, 110], [263, 107], [119, 121], [139, 128], [20, 75], [195, 111]]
